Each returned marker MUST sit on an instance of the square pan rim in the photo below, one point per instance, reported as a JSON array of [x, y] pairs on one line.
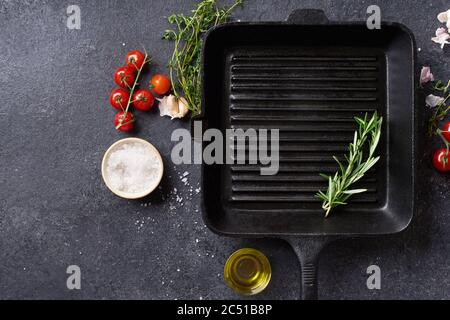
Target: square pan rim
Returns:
[[414, 86]]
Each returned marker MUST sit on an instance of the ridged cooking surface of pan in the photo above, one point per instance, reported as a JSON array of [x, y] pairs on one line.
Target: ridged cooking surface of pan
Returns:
[[312, 100]]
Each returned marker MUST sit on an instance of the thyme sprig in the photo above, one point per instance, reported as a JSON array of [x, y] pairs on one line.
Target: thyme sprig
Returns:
[[357, 164], [441, 111], [184, 65]]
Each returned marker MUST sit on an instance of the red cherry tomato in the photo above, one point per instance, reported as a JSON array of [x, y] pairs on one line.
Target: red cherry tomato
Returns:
[[160, 84], [446, 131], [124, 77], [119, 99], [135, 59], [143, 100], [441, 160], [124, 121]]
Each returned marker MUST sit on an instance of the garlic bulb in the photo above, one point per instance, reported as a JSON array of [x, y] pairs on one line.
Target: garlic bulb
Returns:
[[173, 107]]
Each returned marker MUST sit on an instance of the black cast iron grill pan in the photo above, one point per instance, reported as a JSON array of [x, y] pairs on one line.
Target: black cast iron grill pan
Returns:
[[309, 77]]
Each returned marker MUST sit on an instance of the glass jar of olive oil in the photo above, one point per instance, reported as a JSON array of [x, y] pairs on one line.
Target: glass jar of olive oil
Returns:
[[247, 271]]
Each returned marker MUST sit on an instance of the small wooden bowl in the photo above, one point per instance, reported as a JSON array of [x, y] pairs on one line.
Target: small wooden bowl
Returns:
[[151, 187]]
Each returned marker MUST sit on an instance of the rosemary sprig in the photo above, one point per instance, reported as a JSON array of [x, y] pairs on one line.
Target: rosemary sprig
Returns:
[[184, 65], [356, 164]]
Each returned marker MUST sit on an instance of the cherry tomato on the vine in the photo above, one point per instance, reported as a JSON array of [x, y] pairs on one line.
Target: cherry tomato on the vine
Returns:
[[446, 131], [160, 84], [124, 77], [135, 59], [441, 160], [119, 99], [124, 121], [143, 100]]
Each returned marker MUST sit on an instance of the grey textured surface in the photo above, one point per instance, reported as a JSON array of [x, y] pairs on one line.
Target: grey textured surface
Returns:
[[56, 123]]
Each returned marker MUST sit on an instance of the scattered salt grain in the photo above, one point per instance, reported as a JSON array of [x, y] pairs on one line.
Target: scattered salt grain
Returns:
[[133, 168]]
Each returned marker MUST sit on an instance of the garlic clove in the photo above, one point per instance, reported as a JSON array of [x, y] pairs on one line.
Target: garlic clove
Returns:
[[182, 107], [433, 101], [440, 31], [168, 106], [443, 16], [173, 107], [426, 75], [441, 37]]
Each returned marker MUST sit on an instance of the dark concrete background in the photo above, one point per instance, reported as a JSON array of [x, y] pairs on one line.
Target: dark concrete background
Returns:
[[56, 123]]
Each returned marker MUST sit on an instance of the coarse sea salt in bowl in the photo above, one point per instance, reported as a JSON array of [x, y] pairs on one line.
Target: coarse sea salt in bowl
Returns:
[[132, 168]]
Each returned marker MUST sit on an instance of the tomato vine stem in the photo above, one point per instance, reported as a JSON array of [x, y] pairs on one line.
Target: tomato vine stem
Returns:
[[147, 59], [440, 134]]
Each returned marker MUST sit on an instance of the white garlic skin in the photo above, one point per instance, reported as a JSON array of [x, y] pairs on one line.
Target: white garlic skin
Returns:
[[173, 107], [182, 107]]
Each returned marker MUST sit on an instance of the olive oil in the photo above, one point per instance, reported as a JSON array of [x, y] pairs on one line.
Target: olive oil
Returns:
[[247, 271]]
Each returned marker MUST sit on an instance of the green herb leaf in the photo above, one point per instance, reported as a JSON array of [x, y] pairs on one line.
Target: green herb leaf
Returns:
[[324, 176], [354, 191]]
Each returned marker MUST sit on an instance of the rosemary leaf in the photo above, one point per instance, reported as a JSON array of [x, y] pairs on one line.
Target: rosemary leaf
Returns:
[[355, 191]]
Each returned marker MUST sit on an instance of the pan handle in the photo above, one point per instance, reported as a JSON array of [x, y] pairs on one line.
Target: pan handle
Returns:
[[308, 251], [308, 16]]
